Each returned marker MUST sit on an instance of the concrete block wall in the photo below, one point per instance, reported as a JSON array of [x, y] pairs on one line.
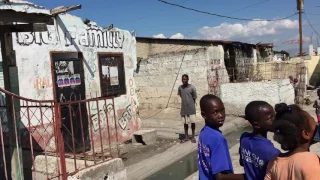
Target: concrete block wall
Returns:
[[237, 95], [159, 75], [144, 49]]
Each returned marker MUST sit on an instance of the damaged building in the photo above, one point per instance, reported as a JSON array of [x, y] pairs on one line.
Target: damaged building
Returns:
[[74, 61], [211, 65]]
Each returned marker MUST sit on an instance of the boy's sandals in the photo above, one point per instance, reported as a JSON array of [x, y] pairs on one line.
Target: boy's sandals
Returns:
[[183, 141], [193, 140]]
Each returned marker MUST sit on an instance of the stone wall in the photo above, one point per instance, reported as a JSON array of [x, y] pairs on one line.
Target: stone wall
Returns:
[[159, 76], [237, 95]]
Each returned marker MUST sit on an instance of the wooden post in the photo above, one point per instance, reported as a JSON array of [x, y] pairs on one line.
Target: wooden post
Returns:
[[300, 8], [9, 63]]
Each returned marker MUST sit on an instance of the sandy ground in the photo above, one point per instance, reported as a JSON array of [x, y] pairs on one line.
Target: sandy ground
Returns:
[[169, 128]]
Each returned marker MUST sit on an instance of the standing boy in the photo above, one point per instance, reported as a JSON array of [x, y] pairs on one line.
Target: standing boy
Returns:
[[188, 95], [317, 106], [214, 161], [255, 149]]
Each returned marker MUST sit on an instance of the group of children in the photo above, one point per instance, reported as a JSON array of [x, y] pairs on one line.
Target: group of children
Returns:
[[294, 129]]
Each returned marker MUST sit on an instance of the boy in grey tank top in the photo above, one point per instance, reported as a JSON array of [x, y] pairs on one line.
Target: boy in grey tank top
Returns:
[[188, 95]]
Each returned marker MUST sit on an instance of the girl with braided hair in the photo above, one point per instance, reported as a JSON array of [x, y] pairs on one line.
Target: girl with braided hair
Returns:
[[294, 130]]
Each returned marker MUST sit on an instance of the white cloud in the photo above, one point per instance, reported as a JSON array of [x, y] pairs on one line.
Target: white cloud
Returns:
[[159, 36], [250, 29], [177, 36]]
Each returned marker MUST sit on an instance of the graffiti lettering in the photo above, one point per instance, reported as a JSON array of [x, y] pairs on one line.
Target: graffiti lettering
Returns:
[[28, 38], [101, 39], [106, 112], [42, 82], [91, 37]]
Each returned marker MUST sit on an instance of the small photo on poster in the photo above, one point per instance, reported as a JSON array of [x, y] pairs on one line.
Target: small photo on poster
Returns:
[[77, 79], [105, 71], [60, 81], [72, 80], [66, 80], [114, 77]]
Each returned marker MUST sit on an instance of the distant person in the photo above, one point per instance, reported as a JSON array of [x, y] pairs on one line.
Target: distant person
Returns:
[[214, 161], [294, 129], [291, 80], [256, 150], [317, 106], [188, 95]]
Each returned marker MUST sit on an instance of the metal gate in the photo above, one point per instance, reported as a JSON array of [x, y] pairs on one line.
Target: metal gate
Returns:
[[33, 138]]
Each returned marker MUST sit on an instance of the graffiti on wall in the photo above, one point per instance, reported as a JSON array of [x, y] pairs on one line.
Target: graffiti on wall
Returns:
[[213, 76], [90, 37], [42, 82], [107, 114]]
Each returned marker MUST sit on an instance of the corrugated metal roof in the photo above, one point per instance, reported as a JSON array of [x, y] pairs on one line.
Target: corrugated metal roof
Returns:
[[203, 40], [23, 6]]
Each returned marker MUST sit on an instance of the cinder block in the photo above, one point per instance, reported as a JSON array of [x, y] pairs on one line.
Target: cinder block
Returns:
[[145, 137]]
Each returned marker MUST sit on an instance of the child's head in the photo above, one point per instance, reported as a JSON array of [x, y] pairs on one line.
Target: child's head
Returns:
[[318, 92], [185, 79], [260, 114], [212, 110], [293, 127]]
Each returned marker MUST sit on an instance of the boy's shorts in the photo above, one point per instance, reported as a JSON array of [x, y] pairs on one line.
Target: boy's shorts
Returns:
[[187, 119]]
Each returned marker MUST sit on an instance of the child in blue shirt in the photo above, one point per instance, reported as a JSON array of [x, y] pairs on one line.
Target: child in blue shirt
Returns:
[[255, 149], [214, 161]]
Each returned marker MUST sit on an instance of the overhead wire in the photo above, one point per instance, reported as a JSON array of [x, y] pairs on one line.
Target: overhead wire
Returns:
[[305, 15], [236, 10], [220, 15]]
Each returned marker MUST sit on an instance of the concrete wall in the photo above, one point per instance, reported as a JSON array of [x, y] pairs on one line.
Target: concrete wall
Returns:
[[313, 70], [70, 34], [159, 75], [110, 170], [237, 95]]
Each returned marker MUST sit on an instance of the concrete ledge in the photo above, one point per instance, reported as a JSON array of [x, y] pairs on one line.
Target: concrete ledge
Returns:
[[145, 137], [152, 165], [42, 164], [194, 176], [113, 169]]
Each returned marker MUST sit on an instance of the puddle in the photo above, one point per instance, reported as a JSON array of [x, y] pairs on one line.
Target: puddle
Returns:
[[187, 165]]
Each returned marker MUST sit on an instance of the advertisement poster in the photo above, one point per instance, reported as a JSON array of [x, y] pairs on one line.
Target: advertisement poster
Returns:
[[114, 79], [105, 71]]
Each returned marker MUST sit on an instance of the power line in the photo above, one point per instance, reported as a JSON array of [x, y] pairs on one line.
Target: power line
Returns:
[[311, 25], [219, 15], [313, 14], [248, 6]]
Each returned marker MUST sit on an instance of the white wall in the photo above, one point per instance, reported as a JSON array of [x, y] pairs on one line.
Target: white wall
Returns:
[[70, 34], [236, 96], [157, 75]]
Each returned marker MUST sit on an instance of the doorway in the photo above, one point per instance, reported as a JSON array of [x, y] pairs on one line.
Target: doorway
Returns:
[[68, 75]]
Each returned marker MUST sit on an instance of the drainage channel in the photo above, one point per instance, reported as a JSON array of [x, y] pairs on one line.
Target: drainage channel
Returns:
[[187, 165]]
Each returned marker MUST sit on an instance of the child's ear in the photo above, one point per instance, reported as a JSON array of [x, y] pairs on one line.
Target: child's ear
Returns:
[[306, 135], [203, 115], [256, 125]]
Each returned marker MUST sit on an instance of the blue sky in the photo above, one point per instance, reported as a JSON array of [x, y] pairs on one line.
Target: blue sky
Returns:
[[153, 18]]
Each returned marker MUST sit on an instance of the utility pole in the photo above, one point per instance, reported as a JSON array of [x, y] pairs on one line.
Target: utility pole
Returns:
[[300, 4]]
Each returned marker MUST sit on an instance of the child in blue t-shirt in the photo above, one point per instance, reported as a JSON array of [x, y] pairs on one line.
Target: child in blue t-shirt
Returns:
[[214, 161], [255, 149]]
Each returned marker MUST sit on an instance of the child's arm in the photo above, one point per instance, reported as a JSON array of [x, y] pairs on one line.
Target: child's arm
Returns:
[[194, 94], [221, 176], [315, 105], [240, 158]]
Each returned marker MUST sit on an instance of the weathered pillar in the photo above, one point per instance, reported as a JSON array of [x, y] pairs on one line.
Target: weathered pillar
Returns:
[[10, 74]]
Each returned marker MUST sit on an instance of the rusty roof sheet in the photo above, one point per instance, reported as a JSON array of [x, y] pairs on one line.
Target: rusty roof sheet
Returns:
[[23, 6], [204, 40]]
